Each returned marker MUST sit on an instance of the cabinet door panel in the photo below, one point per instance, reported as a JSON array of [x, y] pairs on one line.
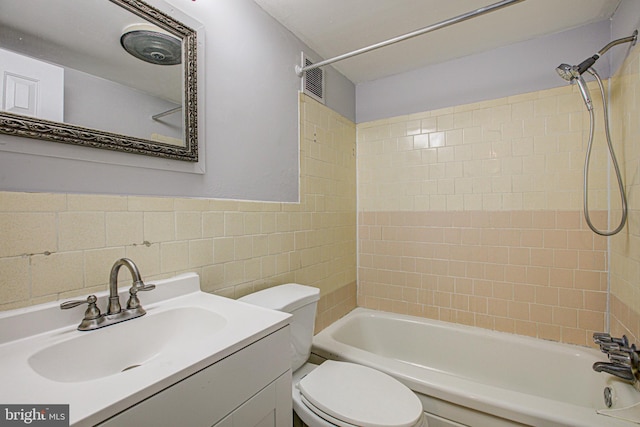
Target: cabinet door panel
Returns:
[[268, 408], [213, 393], [259, 411]]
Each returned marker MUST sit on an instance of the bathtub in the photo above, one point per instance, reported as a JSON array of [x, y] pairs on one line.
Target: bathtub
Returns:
[[468, 376]]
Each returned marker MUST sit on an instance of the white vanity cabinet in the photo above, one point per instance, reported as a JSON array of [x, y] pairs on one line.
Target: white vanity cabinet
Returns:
[[268, 408], [251, 387]]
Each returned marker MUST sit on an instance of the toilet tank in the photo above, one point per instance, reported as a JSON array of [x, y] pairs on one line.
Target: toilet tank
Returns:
[[301, 302]]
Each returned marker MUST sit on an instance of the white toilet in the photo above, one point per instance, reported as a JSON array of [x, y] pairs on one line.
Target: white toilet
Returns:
[[336, 393]]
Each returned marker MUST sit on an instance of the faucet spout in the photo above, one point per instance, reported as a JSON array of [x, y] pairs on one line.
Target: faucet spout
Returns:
[[93, 319], [621, 371], [114, 300]]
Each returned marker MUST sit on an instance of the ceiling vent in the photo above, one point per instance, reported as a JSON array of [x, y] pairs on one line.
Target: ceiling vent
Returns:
[[313, 80]]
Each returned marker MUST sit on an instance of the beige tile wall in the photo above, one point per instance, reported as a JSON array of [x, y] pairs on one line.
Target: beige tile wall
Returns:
[[625, 246], [537, 273], [468, 214], [471, 214], [56, 246], [522, 152]]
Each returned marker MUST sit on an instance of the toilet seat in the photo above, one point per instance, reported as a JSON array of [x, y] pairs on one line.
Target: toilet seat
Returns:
[[347, 394], [324, 416]]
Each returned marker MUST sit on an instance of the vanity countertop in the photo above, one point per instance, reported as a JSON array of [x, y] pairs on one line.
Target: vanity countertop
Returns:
[[35, 338]]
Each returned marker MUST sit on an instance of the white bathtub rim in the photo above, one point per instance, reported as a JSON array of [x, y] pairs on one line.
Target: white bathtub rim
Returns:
[[505, 403], [361, 311]]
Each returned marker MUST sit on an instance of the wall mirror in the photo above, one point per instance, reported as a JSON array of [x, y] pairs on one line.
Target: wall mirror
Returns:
[[67, 77]]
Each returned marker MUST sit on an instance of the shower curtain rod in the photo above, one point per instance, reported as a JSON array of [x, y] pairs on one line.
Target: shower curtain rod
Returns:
[[166, 113], [465, 16]]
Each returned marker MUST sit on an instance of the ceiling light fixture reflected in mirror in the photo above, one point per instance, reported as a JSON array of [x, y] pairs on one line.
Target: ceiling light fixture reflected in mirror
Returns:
[[151, 44]]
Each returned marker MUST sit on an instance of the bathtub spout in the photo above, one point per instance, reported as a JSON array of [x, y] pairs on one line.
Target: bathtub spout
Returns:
[[621, 371]]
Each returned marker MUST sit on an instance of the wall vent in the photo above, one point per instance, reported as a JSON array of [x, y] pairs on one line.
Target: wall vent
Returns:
[[313, 81]]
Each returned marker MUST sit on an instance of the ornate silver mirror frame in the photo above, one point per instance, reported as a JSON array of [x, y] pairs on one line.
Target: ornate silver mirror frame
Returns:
[[24, 126]]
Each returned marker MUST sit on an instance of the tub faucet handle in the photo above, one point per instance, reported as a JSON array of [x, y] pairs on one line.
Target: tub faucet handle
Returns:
[[601, 336], [623, 341], [608, 343], [620, 357], [628, 350], [607, 347]]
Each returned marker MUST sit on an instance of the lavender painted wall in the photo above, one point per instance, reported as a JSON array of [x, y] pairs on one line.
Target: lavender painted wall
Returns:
[[250, 100], [519, 68]]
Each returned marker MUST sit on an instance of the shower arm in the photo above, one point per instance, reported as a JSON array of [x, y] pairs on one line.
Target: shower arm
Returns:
[[632, 38], [456, 19], [587, 63]]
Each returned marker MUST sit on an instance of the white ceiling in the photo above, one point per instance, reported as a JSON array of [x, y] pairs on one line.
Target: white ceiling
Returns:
[[334, 27]]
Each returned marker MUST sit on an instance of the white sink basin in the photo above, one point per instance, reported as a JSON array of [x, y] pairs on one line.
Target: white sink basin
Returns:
[[103, 372], [96, 354]]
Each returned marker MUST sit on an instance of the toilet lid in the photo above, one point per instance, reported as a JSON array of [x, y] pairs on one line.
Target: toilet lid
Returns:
[[360, 395]]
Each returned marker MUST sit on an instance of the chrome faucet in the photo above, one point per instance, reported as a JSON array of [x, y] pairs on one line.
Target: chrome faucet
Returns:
[[93, 319], [615, 369], [624, 360], [138, 285]]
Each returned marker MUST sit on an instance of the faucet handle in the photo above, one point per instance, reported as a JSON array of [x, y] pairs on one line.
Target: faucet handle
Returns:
[[141, 286], [623, 341], [608, 347], [628, 350], [620, 357], [601, 337], [134, 302], [608, 343], [92, 312]]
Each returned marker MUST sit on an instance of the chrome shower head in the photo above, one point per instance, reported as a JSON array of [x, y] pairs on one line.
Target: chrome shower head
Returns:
[[566, 72], [150, 44], [572, 74]]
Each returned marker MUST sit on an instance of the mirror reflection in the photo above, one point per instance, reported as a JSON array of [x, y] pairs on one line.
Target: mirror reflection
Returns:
[[115, 74]]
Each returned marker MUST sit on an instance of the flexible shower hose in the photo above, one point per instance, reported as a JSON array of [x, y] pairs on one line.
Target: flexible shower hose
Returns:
[[623, 197]]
